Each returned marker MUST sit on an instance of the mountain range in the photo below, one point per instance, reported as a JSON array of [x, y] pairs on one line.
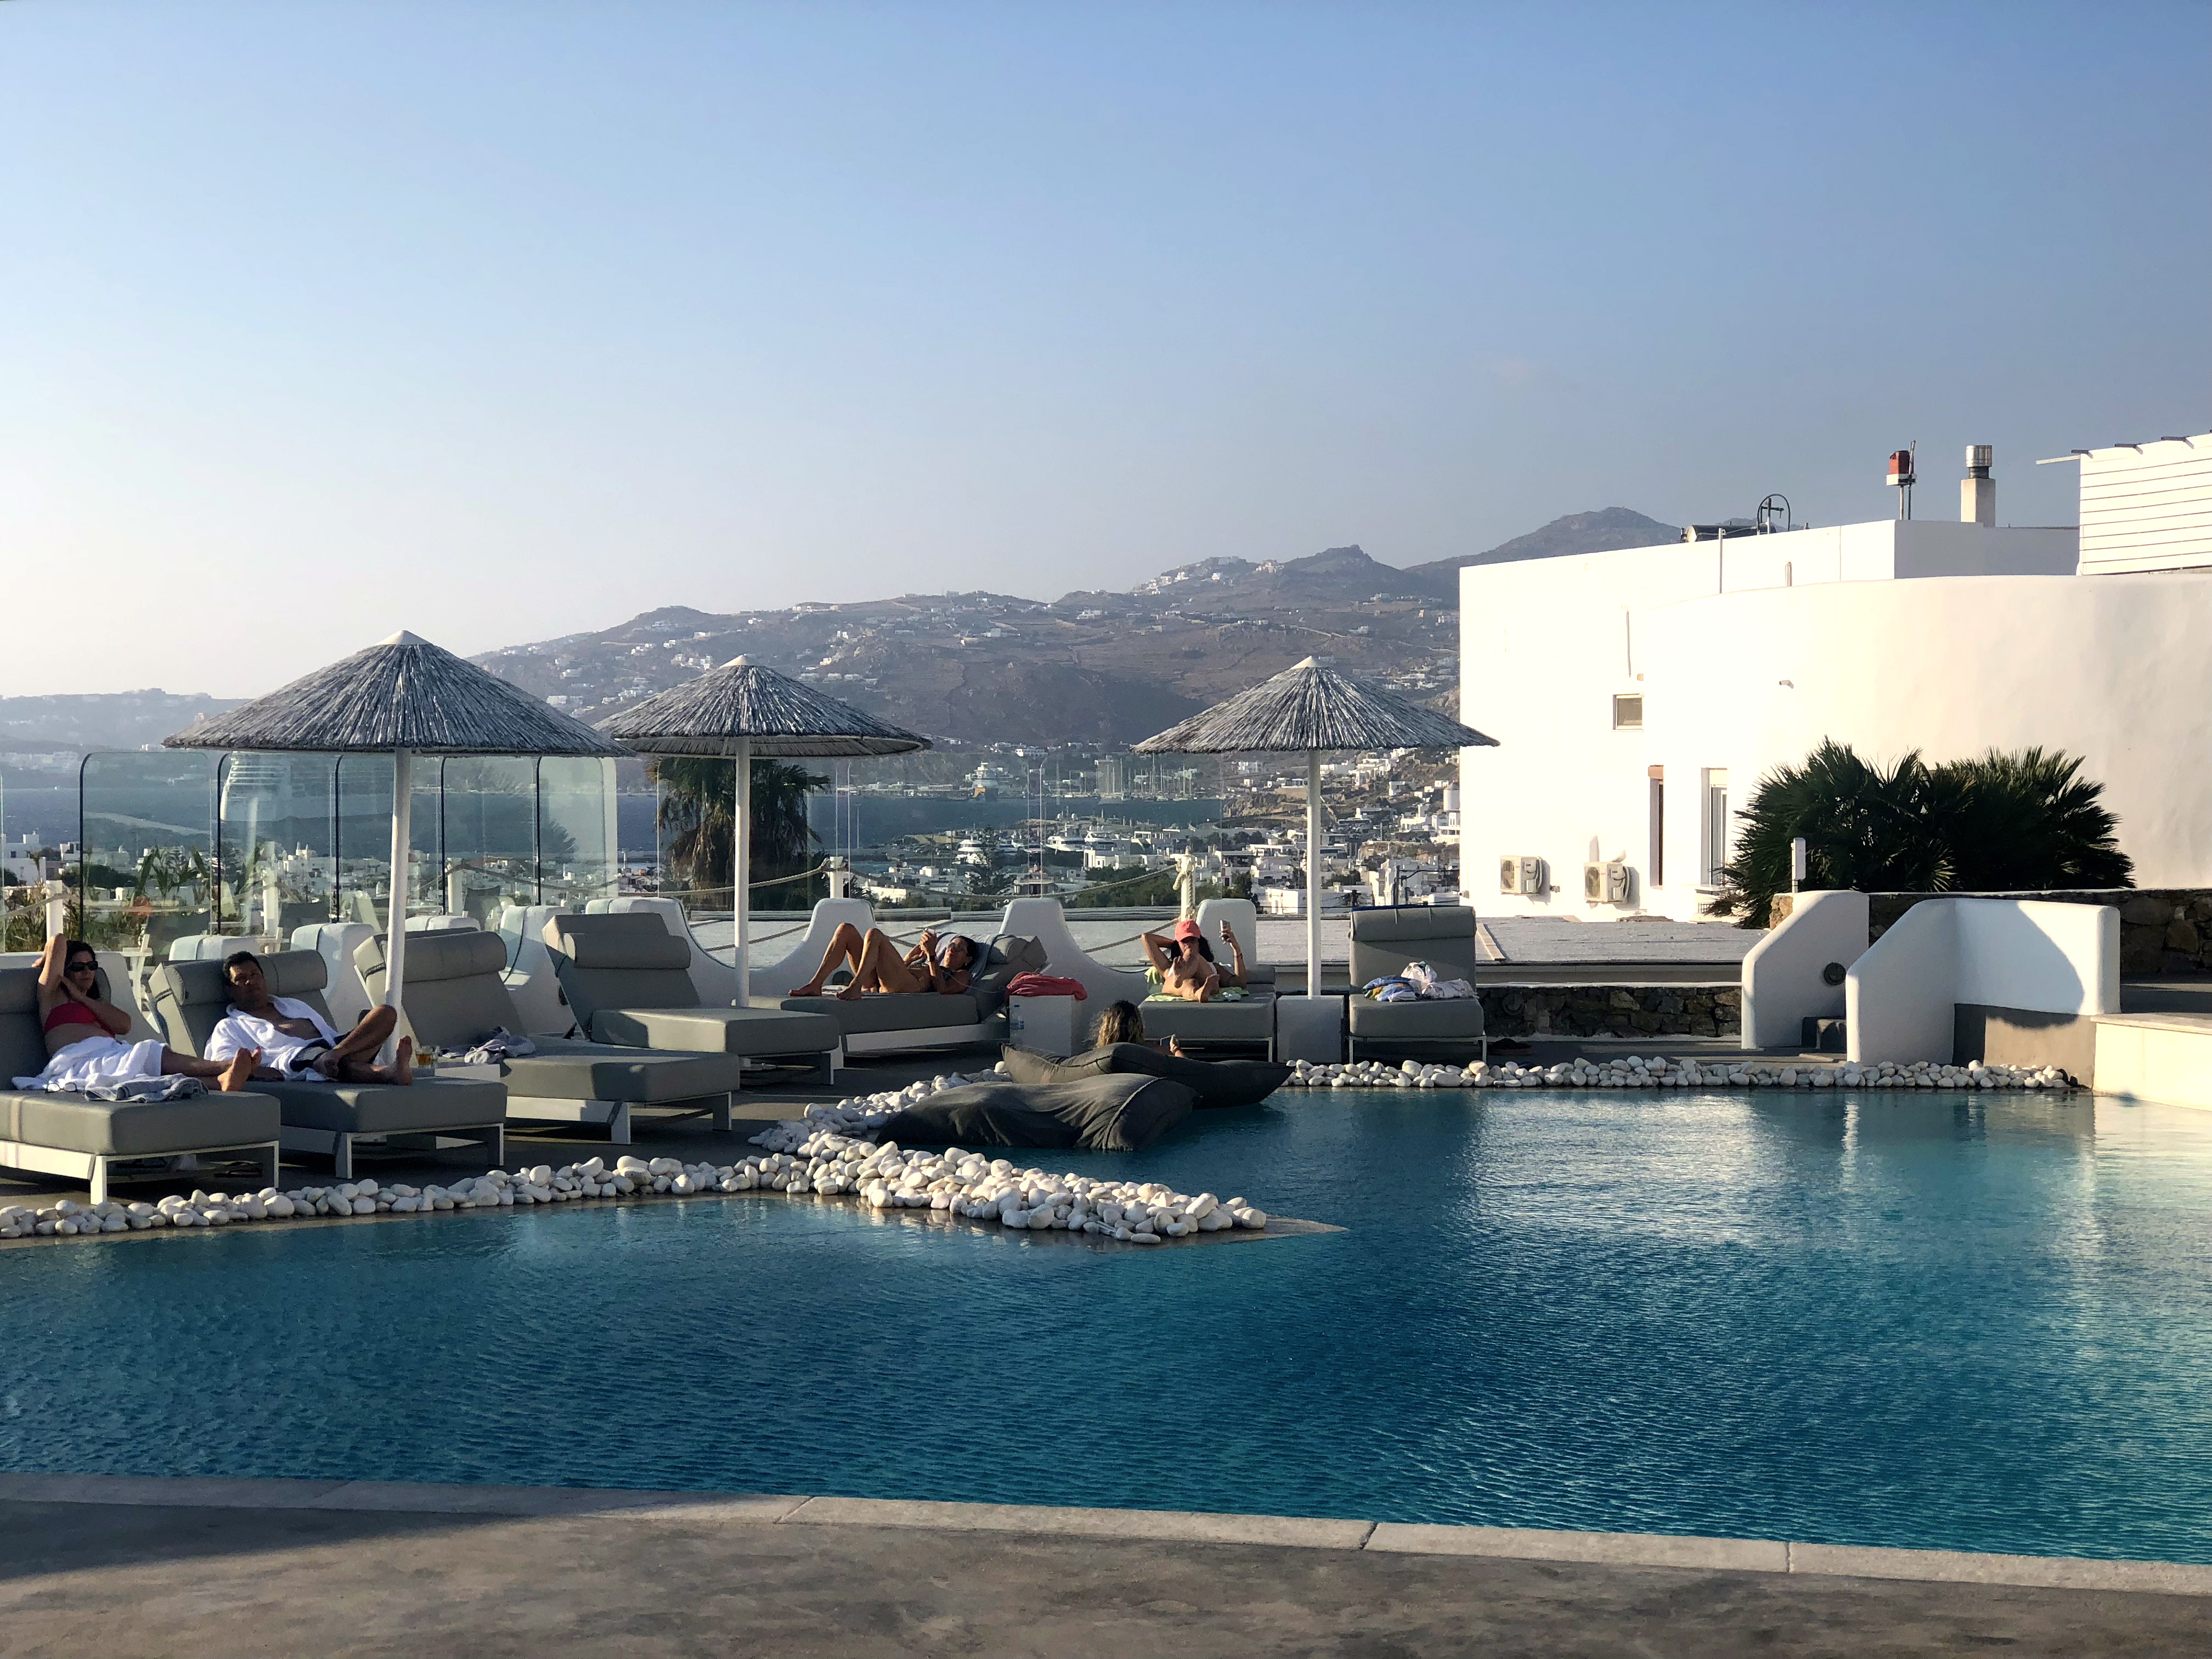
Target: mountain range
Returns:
[[1096, 666]]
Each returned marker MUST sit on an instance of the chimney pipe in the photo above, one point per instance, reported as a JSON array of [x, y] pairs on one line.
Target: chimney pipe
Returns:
[[1978, 491]]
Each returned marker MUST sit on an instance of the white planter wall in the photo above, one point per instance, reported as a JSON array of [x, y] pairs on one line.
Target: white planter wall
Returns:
[[1901, 996], [1782, 986]]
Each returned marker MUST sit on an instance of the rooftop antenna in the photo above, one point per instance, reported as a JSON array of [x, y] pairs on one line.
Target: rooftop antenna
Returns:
[[1900, 477], [1775, 507]]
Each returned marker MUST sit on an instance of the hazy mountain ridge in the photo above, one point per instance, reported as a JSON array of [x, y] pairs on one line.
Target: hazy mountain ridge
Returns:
[[1601, 531], [71, 723], [1096, 666]]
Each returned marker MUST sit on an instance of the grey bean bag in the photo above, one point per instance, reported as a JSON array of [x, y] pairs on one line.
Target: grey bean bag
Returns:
[[1098, 1113], [1215, 1082]]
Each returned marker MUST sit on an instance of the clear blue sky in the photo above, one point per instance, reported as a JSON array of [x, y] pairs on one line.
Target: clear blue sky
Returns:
[[501, 321]]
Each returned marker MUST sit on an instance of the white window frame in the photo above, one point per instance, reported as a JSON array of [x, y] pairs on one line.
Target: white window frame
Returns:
[[1716, 823]]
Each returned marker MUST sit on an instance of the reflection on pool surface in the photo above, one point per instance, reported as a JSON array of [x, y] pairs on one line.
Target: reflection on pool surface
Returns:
[[1888, 1318]]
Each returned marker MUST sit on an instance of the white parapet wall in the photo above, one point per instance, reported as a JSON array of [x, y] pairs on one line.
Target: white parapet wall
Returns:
[[1785, 976], [1901, 998], [2161, 1057]]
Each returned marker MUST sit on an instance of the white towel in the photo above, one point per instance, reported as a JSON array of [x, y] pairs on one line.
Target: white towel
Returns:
[[96, 1059]]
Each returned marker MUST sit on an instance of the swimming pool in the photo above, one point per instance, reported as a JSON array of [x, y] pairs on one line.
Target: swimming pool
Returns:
[[1890, 1319]]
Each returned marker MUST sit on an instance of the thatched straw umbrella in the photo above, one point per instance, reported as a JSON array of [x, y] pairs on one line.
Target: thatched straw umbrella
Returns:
[[1311, 706], [740, 711], [402, 698]]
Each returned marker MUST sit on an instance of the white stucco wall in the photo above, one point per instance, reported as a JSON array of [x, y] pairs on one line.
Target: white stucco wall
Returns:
[[1783, 974], [1704, 631], [2116, 669], [1901, 994]]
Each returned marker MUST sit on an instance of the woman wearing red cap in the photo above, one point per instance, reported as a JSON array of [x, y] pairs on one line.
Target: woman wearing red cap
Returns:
[[1183, 964]]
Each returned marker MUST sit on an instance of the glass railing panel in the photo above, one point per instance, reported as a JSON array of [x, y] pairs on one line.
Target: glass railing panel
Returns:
[[490, 808], [577, 848], [364, 840], [786, 845], [147, 869], [692, 834], [276, 838]]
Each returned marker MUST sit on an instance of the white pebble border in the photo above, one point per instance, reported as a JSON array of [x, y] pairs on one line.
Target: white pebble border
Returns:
[[802, 1156], [841, 1155], [1635, 1072]]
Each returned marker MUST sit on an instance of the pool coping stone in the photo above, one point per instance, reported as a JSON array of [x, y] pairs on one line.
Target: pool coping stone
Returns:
[[1617, 1549], [1177, 1525]]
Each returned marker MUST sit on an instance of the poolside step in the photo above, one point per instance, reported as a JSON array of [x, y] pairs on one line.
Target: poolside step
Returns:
[[1823, 1035], [2161, 1057]]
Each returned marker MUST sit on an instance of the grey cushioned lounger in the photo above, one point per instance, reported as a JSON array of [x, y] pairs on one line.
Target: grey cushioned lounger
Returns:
[[628, 980], [189, 1000], [455, 998], [875, 1024], [73, 1135], [1383, 942]]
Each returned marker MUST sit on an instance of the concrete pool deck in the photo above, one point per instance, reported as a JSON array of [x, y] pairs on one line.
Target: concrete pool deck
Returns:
[[252, 1567]]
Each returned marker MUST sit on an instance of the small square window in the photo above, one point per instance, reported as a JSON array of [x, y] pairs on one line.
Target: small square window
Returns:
[[1628, 712]]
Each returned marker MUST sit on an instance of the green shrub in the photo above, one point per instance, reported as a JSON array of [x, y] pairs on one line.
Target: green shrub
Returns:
[[1998, 823]]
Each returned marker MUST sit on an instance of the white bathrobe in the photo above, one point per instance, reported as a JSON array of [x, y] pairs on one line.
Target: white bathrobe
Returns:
[[94, 1060], [280, 1049]]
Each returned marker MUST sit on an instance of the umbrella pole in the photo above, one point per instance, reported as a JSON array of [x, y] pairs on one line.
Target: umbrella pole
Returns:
[[741, 860], [395, 945], [1313, 872]]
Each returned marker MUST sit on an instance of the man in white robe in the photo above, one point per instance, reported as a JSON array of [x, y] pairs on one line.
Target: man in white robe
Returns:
[[297, 1042]]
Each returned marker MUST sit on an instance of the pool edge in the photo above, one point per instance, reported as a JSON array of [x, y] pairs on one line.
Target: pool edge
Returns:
[[1651, 1550]]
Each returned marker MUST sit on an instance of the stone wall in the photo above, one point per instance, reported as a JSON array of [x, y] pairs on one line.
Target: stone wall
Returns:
[[2165, 930], [1619, 1011]]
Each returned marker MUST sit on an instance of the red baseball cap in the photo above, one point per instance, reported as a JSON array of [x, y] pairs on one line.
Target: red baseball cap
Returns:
[[1186, 929]]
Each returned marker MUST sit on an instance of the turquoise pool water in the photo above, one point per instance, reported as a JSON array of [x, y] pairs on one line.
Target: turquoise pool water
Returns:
[[1978, 1323]]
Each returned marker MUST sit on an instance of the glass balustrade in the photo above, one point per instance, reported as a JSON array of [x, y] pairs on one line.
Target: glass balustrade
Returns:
[[147, 865], [181, 842]]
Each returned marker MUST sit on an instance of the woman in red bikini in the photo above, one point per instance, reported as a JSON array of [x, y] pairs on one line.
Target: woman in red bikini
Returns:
[[90, 1031]]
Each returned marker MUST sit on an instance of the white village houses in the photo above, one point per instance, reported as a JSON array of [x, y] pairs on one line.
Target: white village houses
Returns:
[[1638, 695]]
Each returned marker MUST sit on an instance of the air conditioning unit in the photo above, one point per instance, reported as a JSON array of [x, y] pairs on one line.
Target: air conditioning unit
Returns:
[[1606, 883], [1519, 875]]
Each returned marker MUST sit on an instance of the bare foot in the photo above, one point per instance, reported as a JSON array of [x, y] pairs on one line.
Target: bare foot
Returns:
[[239, 1072], [812, 988], [849, 993], [402, 1062]]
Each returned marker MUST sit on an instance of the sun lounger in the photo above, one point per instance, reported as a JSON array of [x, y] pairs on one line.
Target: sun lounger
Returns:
[[1383, 942], [189, 999], [628, 981], [1240, 1022], [455, 998], [874, 1024], [73, 1134]]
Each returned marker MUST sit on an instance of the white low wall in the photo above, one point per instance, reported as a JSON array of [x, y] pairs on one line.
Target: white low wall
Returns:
[[1782, 982], [1900, 997]]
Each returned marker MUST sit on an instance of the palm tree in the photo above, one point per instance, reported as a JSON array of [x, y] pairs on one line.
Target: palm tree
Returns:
[[2029, 821], [695, 825], [1997, 824]]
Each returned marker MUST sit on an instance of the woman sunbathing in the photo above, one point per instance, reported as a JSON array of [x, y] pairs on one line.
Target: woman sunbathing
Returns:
[[1183, 965], [84, 1033], [932, 965]]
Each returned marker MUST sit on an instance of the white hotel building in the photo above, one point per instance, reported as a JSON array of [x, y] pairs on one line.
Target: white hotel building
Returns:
[[1638, 695]]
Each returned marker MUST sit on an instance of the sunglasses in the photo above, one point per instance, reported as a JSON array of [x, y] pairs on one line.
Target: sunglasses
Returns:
[[82, 965]]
